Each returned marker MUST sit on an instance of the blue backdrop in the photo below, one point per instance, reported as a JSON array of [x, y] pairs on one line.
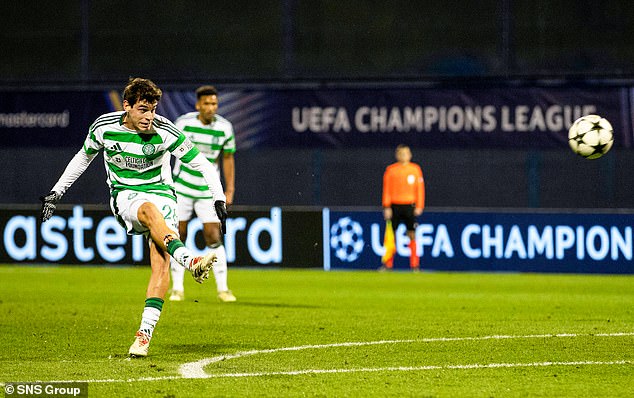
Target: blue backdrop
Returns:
[[489, 241], [525, 117]]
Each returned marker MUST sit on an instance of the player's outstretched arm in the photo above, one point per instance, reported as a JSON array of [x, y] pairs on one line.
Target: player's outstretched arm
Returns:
[[75, 168], [211, 176]]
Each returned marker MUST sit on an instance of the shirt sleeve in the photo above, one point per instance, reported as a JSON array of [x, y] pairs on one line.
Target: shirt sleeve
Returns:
[[80, 162], [420, 190], [210, 174], [386, 200], [183, 149], [93, 142], [230, 144], [74, 170]]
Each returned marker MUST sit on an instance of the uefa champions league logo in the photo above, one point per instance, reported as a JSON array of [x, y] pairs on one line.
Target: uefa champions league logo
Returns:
[[346, 239]]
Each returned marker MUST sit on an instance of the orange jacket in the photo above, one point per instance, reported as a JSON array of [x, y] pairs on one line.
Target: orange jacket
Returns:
[[403, 184]]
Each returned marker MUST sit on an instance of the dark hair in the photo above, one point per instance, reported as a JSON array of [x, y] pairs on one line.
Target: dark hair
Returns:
[[206, 90], [139, 89]]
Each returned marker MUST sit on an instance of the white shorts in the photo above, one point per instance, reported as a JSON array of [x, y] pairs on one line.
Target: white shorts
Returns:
[[203, 208], [127, 205]]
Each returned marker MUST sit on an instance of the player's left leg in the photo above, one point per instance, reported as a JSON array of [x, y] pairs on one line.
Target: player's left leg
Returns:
[[184, 212], [178, 271], [204, 209], [167, 240], [155, 294], [213, 240], [411, 224], [414, 260], [139, 213]]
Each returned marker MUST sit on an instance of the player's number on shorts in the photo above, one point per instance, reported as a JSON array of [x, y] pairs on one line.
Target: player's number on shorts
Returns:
[[168, 213]]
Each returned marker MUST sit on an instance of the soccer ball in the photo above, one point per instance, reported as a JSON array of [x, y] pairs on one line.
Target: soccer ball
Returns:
[[591, 136]]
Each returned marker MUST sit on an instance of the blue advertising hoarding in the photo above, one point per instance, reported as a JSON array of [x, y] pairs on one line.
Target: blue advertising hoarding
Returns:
[[487, 241], [519, 241], [90, 235], [514, 117], [52, 119], [511, 117]]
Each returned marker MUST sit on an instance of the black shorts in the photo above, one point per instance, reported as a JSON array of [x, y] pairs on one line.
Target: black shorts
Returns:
[[404, 214]]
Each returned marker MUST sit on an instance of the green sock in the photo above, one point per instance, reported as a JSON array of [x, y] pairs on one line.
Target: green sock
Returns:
[[173, 245], [176, 248], [154, 302], [151, 314]]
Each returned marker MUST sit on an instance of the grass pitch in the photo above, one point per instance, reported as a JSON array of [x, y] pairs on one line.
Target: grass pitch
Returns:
[[314, 333]]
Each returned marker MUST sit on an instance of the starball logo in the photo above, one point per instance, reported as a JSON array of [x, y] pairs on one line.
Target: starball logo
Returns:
[[556, 242], [346, 239]]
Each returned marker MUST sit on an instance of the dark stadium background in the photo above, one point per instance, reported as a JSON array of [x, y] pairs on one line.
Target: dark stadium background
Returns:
[[87, 46]]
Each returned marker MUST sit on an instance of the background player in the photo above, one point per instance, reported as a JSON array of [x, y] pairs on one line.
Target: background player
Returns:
[[213, 135], [136, 145], [404, 198]]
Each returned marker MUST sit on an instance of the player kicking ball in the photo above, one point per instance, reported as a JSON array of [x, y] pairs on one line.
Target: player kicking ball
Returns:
[[137, 145]]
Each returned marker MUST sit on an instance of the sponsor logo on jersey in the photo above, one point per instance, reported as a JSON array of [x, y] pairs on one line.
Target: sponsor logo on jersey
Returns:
[[185, 147], [137, 163]]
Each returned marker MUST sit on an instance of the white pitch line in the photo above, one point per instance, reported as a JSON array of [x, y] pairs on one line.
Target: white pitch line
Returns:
[[355, 370], [417, 368], [194, 370]]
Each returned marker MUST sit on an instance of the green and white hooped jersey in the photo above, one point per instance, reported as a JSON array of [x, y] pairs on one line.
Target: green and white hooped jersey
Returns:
[[139, 162], [211, 140]]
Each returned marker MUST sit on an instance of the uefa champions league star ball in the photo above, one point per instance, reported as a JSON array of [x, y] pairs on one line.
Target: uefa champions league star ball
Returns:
[[591, 136]]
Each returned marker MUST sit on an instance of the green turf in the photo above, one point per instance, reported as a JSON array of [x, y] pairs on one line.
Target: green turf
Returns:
[[76, 323]]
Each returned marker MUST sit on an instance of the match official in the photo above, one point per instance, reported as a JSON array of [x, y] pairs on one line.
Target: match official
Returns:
[[404, 199]]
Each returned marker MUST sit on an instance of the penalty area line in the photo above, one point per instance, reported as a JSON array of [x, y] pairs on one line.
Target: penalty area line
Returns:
[[194, 370], [355, 370], [415, 368]]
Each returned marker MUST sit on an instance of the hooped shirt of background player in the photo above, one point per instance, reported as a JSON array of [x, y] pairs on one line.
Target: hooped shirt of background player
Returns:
[[212, 140], [136, 161]]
